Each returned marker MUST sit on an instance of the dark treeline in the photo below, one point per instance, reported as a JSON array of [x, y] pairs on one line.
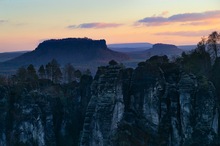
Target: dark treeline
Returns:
[[204, 61], [49, 72]]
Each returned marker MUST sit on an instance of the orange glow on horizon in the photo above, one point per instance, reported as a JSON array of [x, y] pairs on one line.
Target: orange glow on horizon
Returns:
[[22, 29]]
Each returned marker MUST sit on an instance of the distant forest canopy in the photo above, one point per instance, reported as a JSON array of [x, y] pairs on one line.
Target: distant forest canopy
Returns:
[[204, 61], [51, 72]]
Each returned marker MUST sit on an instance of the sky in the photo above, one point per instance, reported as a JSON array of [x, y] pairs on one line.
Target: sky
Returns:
[[26, 23]]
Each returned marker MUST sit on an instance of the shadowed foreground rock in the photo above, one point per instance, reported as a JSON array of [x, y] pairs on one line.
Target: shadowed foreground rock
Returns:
[[151, 105], [155, 104]]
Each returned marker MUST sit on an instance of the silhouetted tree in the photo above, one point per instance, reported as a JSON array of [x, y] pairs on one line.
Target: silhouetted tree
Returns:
[[69, 73], [198, 61], [31, 73], [54, 63], [49, 71], [21, 74], [42, 72], [201, 45], [55, 71], [32, 77], [213, 44], [57, 75]]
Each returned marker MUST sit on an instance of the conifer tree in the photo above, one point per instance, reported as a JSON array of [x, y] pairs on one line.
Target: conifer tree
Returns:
[[42, 72]]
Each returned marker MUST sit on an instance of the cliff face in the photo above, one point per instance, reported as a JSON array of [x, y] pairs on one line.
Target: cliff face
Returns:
[[50, 115], [105, 108], [151, 105], [154, 104]]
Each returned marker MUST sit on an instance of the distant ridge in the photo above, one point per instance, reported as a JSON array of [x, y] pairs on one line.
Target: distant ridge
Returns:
[[69, 50], [164, 49], [187, 47], [5, 56], [129, 47], [158, 49]]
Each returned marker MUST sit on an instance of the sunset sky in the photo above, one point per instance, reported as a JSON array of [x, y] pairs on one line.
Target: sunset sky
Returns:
[[26, 23]]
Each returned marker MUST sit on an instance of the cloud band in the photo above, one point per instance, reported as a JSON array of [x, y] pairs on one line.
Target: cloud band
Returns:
[[94, 25]]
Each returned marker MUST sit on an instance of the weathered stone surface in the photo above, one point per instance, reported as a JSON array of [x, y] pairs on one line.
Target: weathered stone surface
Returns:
[[105, 109], [154, 104], [48, 116], [151, 105]]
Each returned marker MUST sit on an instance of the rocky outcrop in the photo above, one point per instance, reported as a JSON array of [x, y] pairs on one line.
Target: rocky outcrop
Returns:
[[4, 94], [105, 109], [49, 115], [155, 104]]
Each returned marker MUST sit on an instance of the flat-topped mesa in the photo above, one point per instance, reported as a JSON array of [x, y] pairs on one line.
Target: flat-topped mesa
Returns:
[[70, 50], [164, 49], [73, 44], [164, 46]]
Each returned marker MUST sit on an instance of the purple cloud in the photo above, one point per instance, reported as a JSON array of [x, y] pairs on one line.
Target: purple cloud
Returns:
[[153, 21], [94, 25], [185, 17], [186, 33]]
